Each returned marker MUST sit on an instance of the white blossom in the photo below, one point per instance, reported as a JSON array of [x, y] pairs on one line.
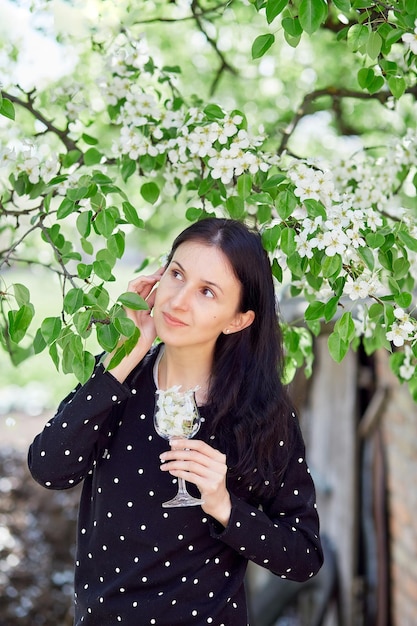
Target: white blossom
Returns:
[[398, 335], [410, 39]]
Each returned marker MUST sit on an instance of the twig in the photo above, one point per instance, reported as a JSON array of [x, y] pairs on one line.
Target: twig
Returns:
[[29, 106], [335, 94], [198, 13]]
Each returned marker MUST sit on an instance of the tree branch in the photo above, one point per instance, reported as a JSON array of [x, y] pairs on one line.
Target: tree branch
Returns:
[[335, 94], [198, 13], [8, 252], [29, 106]]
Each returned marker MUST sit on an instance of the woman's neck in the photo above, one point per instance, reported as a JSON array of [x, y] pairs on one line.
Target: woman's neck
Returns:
[[190, 370]]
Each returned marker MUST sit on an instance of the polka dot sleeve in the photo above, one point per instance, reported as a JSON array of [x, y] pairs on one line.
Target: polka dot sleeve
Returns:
[[65, 451], [283, 533]]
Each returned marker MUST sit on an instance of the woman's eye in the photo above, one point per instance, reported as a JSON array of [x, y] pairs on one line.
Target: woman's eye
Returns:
[[176, 274], [208, 292]]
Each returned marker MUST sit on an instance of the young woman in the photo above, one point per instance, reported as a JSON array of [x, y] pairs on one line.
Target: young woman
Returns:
[[213, 308]]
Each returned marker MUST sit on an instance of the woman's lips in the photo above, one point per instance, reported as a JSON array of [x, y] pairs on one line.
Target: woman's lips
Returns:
[[172, 321]]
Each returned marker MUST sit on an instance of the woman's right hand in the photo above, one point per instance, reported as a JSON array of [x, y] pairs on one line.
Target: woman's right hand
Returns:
[[144, 287]]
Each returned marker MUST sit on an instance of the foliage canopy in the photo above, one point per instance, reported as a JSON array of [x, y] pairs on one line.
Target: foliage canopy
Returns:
[[297, 116]]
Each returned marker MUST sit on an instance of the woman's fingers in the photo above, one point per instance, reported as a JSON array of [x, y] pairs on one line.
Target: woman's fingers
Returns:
[[204, 465]]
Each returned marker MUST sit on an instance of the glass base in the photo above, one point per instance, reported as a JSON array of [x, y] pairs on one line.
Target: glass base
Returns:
[[182, 500]]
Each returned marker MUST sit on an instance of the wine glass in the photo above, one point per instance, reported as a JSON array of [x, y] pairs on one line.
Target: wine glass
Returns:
[[176, 416]]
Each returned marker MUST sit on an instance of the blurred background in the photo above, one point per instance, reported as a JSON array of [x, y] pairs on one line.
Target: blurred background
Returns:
[[358, 421]]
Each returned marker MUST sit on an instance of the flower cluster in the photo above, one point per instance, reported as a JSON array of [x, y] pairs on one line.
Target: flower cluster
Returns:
[[176, 413], [410, 39]]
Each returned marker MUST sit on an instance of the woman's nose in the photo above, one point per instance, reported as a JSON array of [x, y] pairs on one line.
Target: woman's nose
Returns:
[[180, 298]]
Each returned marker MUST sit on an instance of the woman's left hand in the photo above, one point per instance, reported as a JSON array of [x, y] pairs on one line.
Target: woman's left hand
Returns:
[[198, 463]]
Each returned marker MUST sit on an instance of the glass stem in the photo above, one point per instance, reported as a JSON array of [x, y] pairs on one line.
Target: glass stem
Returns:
[[182, 489]]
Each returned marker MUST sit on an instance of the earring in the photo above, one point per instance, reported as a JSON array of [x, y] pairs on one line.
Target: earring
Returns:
[[227, 331]]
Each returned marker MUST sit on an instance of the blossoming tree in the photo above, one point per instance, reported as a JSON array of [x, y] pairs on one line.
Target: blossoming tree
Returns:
[[83, 166]]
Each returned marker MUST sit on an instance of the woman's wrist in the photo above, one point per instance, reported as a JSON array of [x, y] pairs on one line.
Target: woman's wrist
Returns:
[[222, 511], [122, 370]]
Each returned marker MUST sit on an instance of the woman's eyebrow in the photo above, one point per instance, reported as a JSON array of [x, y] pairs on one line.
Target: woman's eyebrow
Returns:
[[206, 282]]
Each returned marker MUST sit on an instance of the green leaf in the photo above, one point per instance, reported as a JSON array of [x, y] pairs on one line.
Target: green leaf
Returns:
[[314, 326], [124, 349], [116, 244], [84, 270], [244, 185], [92, 157], [273, 182], [19, 322], [128, 168], [332, 265], [365, 77], [150, 192], [39, 342], [277, 271], [397, 86], [91, 141], [314, 311], [376, 85], [7, 109], [105, 222], [82, 322], [103, 270], [84, 223], [83, 367], [205, 185], [292, 27], [285, 203], [331, 308], [107, 336], [74, 300], [261, 45], [78, 193], [53, 353], [311, 14], [50, 329], [315, 208], [367, 256], [65, 208], [264, 213], [132, 301], [274, 8], [401, 267], [357, 37], [345, 327], [71, 157], [338, 348], [193, 214], [235, 207], [87, 246], [374, 44], [296, 264], [408, 240], [376, 310], [287, 241], [342, 5], [403, 300], [213, 111], [375, 240], [125, 326], [21, 293], [131, 215]]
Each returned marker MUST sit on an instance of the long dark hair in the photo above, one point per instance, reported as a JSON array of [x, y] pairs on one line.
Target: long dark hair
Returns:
[[249, 403]]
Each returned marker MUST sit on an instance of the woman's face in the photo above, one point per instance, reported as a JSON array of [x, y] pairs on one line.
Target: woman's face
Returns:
[[198, 298]]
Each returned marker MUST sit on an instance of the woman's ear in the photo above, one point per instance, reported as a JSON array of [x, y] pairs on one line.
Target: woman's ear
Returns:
[[241, 321]]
